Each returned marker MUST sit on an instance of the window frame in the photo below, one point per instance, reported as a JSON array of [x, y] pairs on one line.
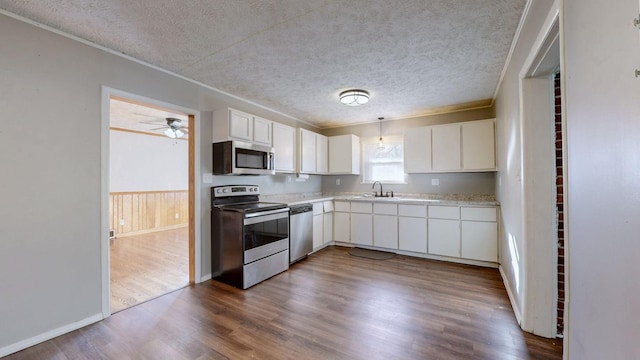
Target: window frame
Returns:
[[363, 161]]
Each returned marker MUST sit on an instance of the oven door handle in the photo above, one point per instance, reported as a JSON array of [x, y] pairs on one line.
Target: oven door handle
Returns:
[[263, 216]]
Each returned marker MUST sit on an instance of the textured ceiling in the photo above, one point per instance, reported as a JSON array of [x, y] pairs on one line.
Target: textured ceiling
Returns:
[[296, 56]]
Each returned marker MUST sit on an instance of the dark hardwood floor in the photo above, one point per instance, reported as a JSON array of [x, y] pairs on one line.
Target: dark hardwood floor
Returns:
[[329, 306]]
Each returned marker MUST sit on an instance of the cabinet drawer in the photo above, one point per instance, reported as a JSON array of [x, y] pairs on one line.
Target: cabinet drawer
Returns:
[[341, 206], [317, 208], [328, 206], [478, 213], [385, 209], [412, 210], [362, 207], [444, 212]]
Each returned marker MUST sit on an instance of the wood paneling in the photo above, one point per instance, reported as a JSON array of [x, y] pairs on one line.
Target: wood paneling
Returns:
[[329, 306], [147, 211]]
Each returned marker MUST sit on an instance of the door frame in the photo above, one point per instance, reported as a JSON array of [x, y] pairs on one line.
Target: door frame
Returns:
[[195, 235]]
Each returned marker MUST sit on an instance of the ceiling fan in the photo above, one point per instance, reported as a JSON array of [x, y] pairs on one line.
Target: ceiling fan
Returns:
[[174, 128]]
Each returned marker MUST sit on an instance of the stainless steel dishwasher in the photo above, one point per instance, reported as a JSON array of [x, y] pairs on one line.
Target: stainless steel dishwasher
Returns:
[[301, 232]]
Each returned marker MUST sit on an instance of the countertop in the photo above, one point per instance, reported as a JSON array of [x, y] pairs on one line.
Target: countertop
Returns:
[[429, 199]]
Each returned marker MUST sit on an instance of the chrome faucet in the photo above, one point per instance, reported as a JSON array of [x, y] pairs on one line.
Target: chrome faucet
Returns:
[[373, 187]]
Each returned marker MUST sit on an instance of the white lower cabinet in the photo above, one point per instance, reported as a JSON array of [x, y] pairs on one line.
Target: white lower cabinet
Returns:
[[479, 240], [318, 231], [412, 228], [444, 237], [385, 231], [362, 223], [385, 225], [322, 223], [341, 221], [327, 224], [479, 233]]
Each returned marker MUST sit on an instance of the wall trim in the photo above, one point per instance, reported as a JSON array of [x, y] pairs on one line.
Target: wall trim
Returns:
[[206, 277], [512, 299], [21, 345]]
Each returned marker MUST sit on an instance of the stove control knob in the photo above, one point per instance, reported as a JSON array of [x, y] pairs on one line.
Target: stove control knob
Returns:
[[250, 189], [255, 189], [225, 190], [218, 191]]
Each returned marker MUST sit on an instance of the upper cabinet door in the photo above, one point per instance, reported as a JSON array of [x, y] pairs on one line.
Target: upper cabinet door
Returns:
[[417, 150], [307, 151], [262, 130], [240, 125], [446, 147], [344, 154], [478, 145], [284, 145], [322, 154]]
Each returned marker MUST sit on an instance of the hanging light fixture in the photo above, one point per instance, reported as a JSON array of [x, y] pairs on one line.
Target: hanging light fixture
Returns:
[[354, 97], [381, 145]]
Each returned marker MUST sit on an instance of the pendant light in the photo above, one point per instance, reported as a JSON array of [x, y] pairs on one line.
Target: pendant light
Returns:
[[381, 145]]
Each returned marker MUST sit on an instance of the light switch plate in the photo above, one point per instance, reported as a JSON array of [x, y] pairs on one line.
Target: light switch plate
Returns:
[[207, 178], [435, 182]]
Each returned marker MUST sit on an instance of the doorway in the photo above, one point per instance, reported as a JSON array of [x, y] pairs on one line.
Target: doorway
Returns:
[[150, 189]]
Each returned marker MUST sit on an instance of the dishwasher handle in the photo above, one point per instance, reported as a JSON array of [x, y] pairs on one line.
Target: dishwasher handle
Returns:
[[302, 208]]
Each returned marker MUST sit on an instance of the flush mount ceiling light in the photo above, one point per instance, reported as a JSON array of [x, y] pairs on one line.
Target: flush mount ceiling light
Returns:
[[354, 97]]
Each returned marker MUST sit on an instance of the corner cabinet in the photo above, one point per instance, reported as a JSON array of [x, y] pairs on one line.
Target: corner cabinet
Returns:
[[458, 147], [344, 154], [314, 154], [231, 124]]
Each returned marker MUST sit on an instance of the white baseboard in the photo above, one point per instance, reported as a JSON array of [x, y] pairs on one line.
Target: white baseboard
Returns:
[[512, 299], [21, 345]]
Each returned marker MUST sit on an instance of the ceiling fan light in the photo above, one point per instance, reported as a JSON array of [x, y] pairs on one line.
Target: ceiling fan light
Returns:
[[354, 97], [179, 133], [171, 133]]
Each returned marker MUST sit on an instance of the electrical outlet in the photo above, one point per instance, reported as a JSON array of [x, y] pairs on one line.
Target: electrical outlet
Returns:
[[435, 182], [338, 181], [288, 178], [121, 222], [177, 216], [207, 178]]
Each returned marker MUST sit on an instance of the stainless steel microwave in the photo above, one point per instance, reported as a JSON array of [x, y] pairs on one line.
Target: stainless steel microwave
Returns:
[[241, 158]]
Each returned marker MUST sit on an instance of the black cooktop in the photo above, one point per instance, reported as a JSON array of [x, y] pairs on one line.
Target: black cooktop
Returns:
[[253, 207]]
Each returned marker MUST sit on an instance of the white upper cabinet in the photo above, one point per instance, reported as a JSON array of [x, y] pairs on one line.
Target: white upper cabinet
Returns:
[[458, 147], [231, 124], [417, 150], [446, 150], [284, 145], [314, 158], [307, 151], [322, 154], [478, 145], [344, 154], [262, 131], [240, 125]]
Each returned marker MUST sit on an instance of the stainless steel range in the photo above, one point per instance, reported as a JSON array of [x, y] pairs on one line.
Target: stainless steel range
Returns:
[[249, 238]]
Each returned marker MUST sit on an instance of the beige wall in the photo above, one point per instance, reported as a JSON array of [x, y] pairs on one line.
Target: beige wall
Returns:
[[50, 256], [603, 163]]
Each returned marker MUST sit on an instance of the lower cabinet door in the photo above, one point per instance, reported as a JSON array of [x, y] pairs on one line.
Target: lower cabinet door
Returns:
[[480, 240], [444, 237], [361, 229], [412, 234], [318, 228], [341, 227], [328, 227], [385, 231]]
